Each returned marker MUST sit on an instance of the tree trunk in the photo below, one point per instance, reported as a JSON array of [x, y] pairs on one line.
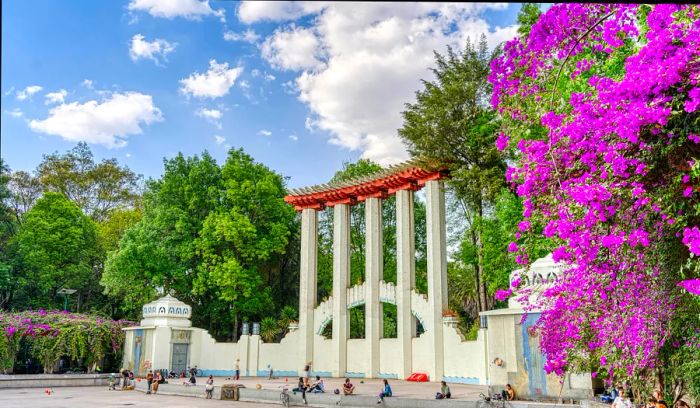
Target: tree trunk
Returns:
[[480, 257]]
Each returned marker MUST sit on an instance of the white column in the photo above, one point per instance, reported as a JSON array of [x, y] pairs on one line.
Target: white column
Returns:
[[437, 271], [307, 284], [374, 272], [341, 275], [405, 278]]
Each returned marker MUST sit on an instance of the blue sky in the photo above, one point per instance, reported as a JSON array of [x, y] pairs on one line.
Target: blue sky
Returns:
[[302, 87]]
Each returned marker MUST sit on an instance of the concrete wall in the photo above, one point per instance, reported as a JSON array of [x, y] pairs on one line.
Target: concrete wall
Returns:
[[523, 363], [52, 380]]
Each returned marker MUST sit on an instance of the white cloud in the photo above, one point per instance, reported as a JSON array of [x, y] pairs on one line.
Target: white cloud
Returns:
[[156, 50], [358, 64], [55, 97], [248, 35], [28, 92], [292, 48], [87, 83], [269, 77], [214, 83], [254, 11], [188, 9], [212, 116], [108, 122], [264, 132], [219, 139], [294, 137], [244, 84], [15, 113], [128, 155]]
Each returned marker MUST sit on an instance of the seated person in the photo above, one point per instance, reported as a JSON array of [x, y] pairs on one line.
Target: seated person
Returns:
[[318, 386], [348, 388], [193, 379], [444, 391], [386, 392], [509, 393]]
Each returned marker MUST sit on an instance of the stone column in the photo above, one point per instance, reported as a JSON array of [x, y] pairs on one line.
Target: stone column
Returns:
[[374, 272], [307, 284], [341, 275], [405, 278], [437, 271]]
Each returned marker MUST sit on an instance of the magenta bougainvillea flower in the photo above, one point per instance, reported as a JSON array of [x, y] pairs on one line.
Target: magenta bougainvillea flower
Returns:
[[691, 285], [591, 101]]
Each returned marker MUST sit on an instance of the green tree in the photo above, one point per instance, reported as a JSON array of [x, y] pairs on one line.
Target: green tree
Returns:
[[56, 248], [7, 230], [451, 125], [527, 16], [240, 239], [97, 188], [214, 236]]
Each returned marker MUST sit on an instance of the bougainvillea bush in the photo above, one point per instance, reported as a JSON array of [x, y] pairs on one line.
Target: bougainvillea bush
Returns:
[[55, 334], [601, 107]]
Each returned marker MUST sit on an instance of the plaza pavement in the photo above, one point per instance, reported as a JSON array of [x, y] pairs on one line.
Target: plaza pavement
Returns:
[[90, 397], [370, 387]]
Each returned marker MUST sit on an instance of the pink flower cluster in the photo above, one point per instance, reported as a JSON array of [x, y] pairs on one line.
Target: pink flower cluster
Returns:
[[592, 182]]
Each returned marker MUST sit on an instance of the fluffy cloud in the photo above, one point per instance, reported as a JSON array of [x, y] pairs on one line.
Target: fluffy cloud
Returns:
[[358, 64], [156, 50], [214, 83], [188, 9], [253, 11], [294, 48], [108, 122], [55, 97], [28, 92], [264, 132], [248, 36], [87, 83], [219, 139], [212, 116]]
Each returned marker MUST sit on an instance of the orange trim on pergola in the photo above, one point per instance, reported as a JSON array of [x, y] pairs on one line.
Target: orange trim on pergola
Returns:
[[404, 178]]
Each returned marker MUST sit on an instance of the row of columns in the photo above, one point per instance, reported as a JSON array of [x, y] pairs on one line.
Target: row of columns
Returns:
[[405, 242]]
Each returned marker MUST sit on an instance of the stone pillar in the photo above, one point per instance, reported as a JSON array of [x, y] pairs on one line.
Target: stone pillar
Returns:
[[437, 271], [405, 278], [374, 272], [341, 275], [307, 284]]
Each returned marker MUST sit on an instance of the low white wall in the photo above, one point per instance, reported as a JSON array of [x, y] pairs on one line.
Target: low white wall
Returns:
[[465, 361], [389, 357]]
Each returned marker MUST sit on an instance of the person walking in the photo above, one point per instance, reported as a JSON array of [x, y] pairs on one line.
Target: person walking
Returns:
[[149, 381], [209, 389], [307, 373]]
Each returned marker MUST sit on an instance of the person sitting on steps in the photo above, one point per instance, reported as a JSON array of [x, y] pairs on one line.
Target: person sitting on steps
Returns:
[[444, 391], [348, 388], [318, 386]]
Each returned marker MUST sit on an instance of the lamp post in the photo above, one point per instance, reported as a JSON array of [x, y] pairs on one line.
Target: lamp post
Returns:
[[65, 292]]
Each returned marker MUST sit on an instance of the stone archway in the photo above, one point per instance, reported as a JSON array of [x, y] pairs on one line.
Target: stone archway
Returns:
[[356, 296]]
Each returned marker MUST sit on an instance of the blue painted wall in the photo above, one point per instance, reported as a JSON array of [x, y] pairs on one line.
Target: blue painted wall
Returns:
[[533, 358]]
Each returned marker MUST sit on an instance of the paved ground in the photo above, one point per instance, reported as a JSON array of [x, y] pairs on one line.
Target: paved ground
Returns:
[[369, 387], [79, 397], [84, 397]]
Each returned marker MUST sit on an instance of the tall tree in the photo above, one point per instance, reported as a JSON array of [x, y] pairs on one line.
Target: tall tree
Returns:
[[212, 235], [7, 229], [451, 125], [56, 248], [97, 188]]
